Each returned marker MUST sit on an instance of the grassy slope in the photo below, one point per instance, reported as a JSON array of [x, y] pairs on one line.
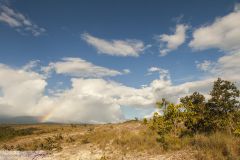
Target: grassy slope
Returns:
[[130, 140]]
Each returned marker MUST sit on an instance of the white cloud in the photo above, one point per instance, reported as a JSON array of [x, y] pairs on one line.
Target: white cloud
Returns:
[[78, 67], [158, 69], [172, 42], [88, 100], [175, 92], [126, 71], [30, 65], [164, 74], [129, 47], [92, 100], [154, 69], [23, 94], [148, 116], [95, 100], [19, 21], [20, 89], [206, 65], [223, 34], [81, 103], [227, 66]]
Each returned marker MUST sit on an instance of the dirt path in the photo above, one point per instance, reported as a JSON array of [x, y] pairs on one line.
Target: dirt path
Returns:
[[89, 152]]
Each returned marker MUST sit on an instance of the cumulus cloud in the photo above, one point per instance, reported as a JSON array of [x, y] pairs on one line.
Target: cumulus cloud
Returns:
[[164, 88], [227, 66], [129, 47], [95, 100], [23, 94], [173, 93], [78, 67], [90, 100], [223, 34], [21, 91], [169, 43], [18, 21], [80, 103]]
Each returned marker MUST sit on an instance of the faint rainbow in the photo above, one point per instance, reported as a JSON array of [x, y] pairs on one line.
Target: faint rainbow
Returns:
[[46, 116]]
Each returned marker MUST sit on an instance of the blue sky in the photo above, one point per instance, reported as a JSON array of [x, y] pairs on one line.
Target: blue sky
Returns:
[[117, 36]]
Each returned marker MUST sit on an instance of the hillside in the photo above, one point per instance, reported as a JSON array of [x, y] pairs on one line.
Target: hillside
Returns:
[[130, 140], [110, 141]]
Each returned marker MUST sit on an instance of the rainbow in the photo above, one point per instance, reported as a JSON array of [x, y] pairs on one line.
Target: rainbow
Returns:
[[46, 116]]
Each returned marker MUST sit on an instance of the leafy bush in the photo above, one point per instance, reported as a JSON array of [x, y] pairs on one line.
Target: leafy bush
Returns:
[[145, 121], [211, 127], [195, 115]]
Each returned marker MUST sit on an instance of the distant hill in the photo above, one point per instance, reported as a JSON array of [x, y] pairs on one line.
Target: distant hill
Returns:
[[18, 120]]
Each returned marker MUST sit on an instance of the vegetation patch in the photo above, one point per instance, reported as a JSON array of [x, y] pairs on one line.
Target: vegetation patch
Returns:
[[8, 132], [211, 127]]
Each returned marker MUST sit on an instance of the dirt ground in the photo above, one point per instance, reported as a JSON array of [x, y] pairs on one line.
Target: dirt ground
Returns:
[[88, 142]]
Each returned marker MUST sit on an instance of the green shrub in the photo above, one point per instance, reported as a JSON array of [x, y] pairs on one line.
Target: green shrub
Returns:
[[212, 127], [145, 121]]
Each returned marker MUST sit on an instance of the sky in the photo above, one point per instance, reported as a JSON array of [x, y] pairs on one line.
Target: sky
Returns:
[[109, 61]]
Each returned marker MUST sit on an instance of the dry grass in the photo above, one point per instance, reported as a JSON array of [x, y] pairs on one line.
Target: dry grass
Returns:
[[115, 140], [218, 146], [37, 137], [126, 138]]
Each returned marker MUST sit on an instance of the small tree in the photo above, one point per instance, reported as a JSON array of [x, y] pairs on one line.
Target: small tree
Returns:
[[223, 106], [195, 111], [173, 117], [169, 121], [145, 121]]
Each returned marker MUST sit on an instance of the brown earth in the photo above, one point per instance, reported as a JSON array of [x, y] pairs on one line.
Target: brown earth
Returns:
[[126, 141]]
